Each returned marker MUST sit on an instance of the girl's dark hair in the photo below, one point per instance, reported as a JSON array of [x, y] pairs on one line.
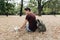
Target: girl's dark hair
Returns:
[[27, 9]]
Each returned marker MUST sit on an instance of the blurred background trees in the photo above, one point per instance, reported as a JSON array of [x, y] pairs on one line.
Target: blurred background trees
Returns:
[[6, 7], [45, 6], [39, 7]]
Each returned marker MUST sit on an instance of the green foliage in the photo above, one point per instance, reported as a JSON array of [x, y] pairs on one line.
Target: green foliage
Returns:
[[17, 9], [33, 5], [53, 5], [2, 6], [9, 8], [47, 7], [6, 8]]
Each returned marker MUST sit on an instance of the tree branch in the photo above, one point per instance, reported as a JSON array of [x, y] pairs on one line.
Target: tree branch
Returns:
[[45, 3]]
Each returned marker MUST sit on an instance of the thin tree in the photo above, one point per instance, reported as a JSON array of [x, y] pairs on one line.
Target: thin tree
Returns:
[[21, 8], [40, 7]]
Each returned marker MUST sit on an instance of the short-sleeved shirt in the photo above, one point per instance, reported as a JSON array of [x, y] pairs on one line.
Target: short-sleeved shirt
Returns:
[[32, 21]]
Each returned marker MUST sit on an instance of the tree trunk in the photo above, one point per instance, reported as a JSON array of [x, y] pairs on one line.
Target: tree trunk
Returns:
[[7, 9], [21, 8], [39, 7]]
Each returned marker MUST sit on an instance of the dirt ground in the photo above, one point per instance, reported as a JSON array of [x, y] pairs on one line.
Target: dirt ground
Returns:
[[7, 25]]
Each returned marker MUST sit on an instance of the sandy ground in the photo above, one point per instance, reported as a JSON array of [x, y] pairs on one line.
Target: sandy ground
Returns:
[[7, 25]]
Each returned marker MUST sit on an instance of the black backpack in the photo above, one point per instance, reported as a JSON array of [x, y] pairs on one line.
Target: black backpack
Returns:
[[40, 26]]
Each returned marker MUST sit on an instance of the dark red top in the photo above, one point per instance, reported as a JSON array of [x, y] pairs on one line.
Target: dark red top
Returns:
[[32, 21]]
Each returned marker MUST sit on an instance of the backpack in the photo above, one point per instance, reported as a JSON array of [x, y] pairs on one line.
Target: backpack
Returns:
[[40, 26]]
